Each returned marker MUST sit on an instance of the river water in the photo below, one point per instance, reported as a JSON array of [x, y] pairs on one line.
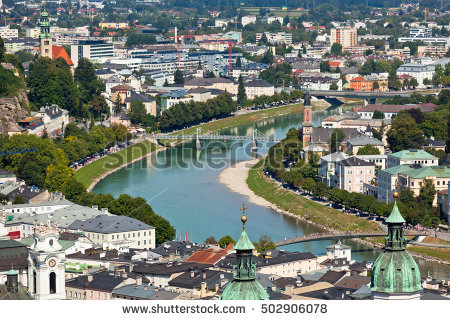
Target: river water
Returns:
[[181, 184]]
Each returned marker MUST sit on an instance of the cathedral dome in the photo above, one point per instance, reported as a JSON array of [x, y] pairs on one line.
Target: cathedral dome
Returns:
[[395, 272], [244, 290]]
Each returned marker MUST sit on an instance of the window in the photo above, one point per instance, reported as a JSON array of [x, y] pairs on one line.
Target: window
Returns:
[[92, 294], [139, 243], [145, 242], [412, 183], [438, 183]]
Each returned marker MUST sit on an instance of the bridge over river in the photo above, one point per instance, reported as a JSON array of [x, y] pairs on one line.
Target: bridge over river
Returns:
[[340, 236], [255, 137]]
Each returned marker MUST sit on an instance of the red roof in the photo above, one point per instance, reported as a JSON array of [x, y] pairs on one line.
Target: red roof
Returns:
[[334, 63], [60, 52], [209, 256], [360, 78]]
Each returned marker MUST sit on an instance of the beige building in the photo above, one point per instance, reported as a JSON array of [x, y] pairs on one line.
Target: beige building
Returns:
[[113, 25], [345, 36], [352, 173], [255, 88], [104, 229]]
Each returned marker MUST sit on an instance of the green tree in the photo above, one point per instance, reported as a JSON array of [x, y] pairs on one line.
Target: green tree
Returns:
[[268, 57], [264, 243], [137, 112], [2, 50], [118, 105], [413, 83], [393, 81], [99, 105], [334, 86], [378, 115], [178, 77], [73, 189], [88, 81], [241, 95], [376, 86], [224, 241], [51, 82], [309, 185], [149, 81], [211, 240], [404, 133], [336, 49], [321, 190], [337, 136], [325, 66], [368, 149], [238, 62], [427, 193], [18, 200]]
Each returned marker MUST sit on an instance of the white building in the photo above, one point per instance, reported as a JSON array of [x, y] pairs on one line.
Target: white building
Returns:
[[255, 88], [279, 37], [111, 229], [93, 50], [8, 33], [422, 32], [245, 20], [327, 167], [346, 36], [418, 71]]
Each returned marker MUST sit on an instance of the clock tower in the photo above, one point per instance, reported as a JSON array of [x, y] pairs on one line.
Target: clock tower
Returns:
[[307, 125], [46, 275]]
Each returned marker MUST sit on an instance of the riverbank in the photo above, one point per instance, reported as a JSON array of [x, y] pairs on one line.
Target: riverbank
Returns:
[[248, 179], [94, 172]]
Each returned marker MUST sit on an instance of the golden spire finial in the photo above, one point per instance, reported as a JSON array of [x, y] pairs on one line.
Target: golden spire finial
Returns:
[[395, 192], [244, 217]]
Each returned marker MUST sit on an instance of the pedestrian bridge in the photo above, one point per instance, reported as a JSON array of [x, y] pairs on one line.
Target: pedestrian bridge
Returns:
[[340, 236], [370, 95], [215, 137], [255, 137]]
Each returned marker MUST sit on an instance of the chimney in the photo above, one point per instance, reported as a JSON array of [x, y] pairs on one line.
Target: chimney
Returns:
[[124, 275], [146, 287], [90, 277], [131, 266], [289, 290], [222, 276], [204, 274], [192, 274], [95, 207], [203, 289], [138, 280]]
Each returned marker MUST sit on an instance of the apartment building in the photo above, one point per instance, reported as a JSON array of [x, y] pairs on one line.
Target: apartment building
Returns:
[[173, 97], [255, 88], [345, 36], [352, 173], [245, 20], [279, 37]]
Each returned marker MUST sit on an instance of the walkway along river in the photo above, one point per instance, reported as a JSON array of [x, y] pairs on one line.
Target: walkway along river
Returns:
[[182, 185]]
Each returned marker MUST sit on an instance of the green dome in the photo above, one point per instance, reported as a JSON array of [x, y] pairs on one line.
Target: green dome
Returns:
[[395, 272], [244, 290]]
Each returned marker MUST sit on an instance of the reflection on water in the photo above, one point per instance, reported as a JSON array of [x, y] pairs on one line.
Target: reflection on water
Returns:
[[181, 184]]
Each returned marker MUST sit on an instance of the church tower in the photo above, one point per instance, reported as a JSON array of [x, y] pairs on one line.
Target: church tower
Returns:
[[244, 285], [307, 125], [45, 38], [395, 274], [46, 275]]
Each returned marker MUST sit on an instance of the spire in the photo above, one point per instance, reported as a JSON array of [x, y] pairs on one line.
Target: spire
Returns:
[[395, 239], [244, 242]]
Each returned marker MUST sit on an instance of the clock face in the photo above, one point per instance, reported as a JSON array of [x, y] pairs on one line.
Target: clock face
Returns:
[[52, 263]]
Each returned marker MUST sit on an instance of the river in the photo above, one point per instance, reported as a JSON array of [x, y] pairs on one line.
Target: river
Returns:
[[181, 184]]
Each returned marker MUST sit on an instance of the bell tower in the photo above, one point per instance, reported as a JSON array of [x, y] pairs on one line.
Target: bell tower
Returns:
[[46, 275], [307, 125], [45, 38]]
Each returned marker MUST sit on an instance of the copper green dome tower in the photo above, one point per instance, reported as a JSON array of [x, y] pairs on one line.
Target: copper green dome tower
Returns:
[[395, 274], [244, 285]]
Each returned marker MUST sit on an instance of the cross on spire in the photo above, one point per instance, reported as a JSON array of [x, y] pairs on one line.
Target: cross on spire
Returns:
[[243, 218]]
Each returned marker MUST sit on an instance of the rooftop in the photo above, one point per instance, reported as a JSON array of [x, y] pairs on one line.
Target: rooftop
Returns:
[[109, 224], [413, 154]]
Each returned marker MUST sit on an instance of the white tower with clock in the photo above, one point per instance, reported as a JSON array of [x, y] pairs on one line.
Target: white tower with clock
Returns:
[[46, 275]]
